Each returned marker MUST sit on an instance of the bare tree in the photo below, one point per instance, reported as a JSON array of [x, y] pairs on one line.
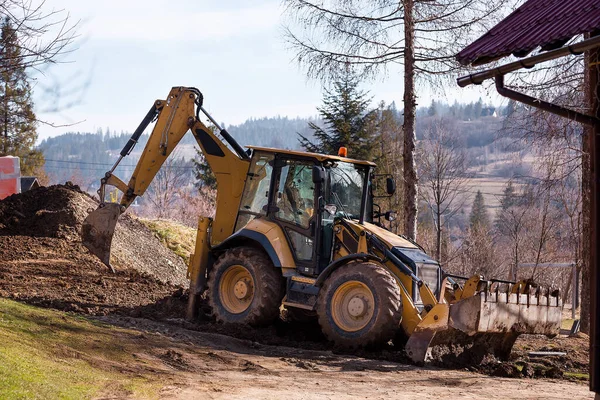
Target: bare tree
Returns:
[[511, 224], [443, 177], [565, 82], [387, 149], [166, 187], [479, 254], [44, 35], [421, 35], [192, 204], [570, 197]]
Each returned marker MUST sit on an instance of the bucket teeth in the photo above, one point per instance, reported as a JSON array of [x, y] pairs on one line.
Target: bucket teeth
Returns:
[[525, 292], [488, 320]]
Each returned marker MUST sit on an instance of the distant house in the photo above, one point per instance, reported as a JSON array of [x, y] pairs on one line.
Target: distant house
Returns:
[[28, 183]]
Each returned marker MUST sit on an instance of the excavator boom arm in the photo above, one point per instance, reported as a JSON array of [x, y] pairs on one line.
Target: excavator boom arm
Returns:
[[174, 117]]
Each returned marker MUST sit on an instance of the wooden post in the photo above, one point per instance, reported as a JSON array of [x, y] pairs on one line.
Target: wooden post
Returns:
[[594, 265], [574, 292]]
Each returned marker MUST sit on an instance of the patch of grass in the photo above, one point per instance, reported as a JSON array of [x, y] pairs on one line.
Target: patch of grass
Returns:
[[46, 354], [567, 323], [179, 238], [519, 367], [577, 375]]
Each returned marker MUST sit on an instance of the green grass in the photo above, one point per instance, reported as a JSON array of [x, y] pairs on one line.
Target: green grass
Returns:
[[577, 375], [46, 354], [567, 324], [179, 238]]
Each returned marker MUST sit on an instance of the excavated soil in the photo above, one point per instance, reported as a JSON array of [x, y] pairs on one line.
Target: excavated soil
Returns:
[[59, 211], [43, 262]]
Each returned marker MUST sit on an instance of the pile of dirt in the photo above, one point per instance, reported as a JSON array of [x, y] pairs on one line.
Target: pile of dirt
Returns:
[[573, 365], [43, 262], [59, 211], [55, 211]]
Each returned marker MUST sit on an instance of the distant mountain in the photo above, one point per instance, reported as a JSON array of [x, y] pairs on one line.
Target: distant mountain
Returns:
[[278, 132], [85, 157]]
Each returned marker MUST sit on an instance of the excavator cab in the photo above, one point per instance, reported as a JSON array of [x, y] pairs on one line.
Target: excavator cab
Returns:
[[302, 194], [297, 230]]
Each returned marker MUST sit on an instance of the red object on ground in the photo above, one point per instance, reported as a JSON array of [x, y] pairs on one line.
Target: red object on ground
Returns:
[[10, 176]]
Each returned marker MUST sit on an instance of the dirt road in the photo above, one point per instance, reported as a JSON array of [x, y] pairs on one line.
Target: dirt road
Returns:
[[216, 366]]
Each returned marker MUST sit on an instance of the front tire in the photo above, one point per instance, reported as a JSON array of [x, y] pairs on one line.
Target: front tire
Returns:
[[360, 305], [245, 288]]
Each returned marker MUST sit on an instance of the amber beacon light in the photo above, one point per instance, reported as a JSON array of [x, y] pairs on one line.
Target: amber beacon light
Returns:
[[343, 152]]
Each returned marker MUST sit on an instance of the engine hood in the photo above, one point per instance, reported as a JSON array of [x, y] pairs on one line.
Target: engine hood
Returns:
[[388, 237]]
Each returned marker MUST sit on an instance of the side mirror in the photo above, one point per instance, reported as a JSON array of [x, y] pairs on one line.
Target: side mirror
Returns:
[[318, 174], [390, 186]]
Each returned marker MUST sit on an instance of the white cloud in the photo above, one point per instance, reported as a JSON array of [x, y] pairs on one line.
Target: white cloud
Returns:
[[152, 22]]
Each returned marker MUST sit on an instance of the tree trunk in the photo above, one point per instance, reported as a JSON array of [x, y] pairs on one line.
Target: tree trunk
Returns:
[[410, 105], [438, 238], [585, 245]]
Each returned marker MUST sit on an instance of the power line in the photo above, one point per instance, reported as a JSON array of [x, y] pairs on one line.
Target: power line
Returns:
[[106, 164]]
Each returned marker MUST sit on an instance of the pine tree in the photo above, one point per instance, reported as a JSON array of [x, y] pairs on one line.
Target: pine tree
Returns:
[[432, 110], [509, 197], [510, 109], [17, 120], [204, 175], [479, 217], [348, 122], [477, 108]]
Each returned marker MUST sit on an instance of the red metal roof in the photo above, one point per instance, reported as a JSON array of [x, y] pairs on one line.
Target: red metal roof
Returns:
[[546, 23]]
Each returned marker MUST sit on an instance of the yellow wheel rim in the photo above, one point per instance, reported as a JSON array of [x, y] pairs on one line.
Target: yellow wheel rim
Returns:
[[352, 306], [236, 289]]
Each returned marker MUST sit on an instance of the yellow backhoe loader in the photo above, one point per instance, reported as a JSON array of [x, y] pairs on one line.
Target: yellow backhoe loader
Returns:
[[300, 230]]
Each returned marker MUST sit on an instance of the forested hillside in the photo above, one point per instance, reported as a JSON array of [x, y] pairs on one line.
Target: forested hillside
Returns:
[[86, 156]]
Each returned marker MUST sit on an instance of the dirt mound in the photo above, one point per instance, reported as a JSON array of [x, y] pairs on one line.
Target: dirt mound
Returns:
[[55, 211], [42, 260], [59, 211]]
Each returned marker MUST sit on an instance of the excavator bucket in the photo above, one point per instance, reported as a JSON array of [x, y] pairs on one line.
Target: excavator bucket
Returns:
[[485, 323], [98, 230]]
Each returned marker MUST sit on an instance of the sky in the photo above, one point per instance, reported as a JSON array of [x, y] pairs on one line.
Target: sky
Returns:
[[131, 52]]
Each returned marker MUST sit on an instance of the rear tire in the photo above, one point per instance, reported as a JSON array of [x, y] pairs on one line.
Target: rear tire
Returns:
[[360, 305], [245, 288]]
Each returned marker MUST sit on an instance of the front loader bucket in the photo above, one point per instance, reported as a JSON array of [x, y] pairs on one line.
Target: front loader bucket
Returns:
[[486, 323], [98, 230]]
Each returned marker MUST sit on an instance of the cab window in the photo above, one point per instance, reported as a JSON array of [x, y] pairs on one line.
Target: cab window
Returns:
[[256, 191], [295, 193]]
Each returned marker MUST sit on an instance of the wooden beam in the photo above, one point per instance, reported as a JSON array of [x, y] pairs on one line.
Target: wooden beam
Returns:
[[594, 265]]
